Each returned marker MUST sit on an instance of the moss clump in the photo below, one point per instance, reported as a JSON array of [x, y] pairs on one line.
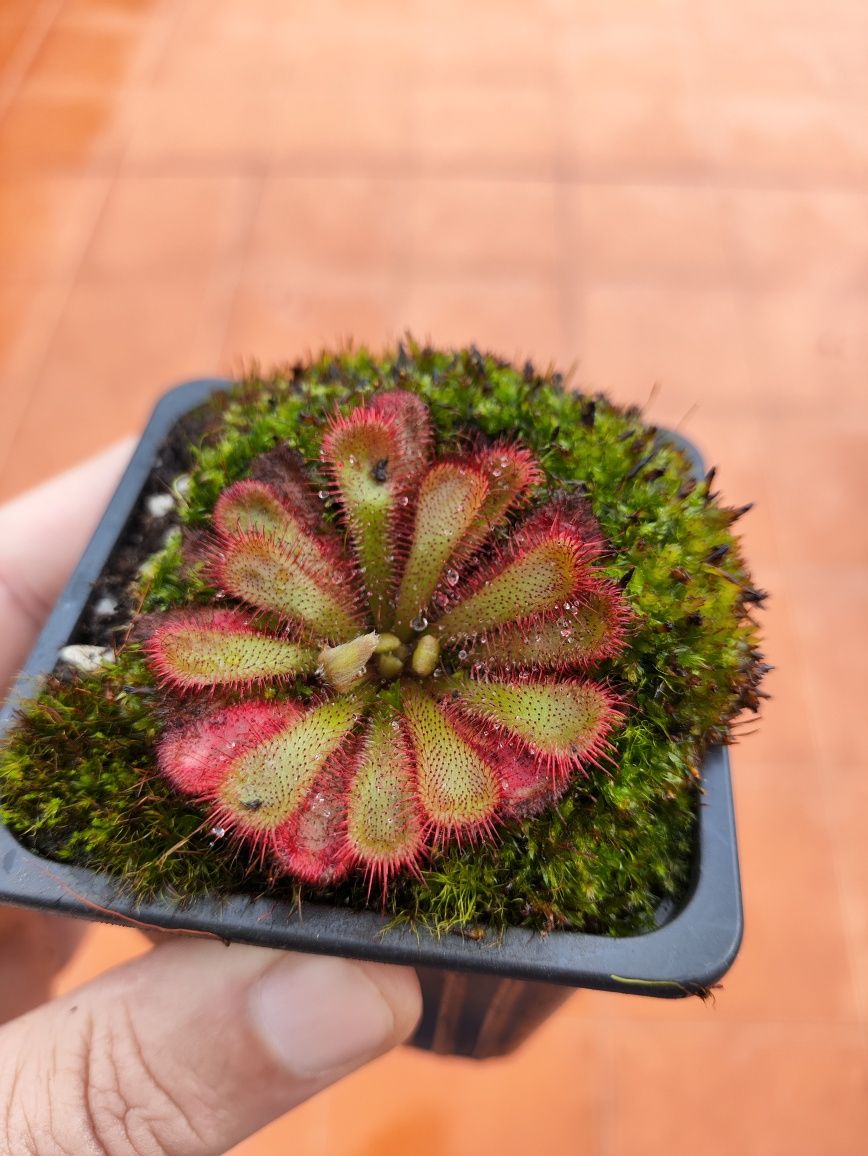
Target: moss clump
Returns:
[[77, 772]]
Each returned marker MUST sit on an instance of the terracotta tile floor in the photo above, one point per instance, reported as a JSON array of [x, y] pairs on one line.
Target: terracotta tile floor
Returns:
[[663, 193]]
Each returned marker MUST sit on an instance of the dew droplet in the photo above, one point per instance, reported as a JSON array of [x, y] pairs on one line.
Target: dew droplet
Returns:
[[405, 501], [462, 654], [322, 495], [452, 577], [496, 473], [419, 623]]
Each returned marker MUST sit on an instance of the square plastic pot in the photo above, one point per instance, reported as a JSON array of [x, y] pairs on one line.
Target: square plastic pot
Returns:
[[482, 997]]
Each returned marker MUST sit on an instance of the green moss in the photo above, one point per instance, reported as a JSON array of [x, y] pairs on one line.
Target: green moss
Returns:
[[77, 773]]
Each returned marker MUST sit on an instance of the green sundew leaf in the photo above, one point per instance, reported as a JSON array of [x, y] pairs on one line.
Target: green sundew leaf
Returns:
[[383, 827], [256, 507], [457, 787], [264, 573], [215, 652], [363, 454], [450, 499], [556, 718], [266, 785], [534, 582], [584, 632]]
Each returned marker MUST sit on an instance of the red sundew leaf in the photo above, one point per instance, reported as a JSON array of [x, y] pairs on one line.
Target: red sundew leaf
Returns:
[[267, 783], [458, 787], [564, 722], [540, 570], [201, 648], [384, 827], [581, 633], [413, 424], [284, 471], [374, 461], [511, 471], [197, 544], [196, 757], [249, 505], [311, 845], [267, 574], [451, 495], [253, 507], [527, 785], [570, 512]]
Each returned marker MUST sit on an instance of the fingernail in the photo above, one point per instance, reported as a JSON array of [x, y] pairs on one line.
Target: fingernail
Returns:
[[317, 1014]]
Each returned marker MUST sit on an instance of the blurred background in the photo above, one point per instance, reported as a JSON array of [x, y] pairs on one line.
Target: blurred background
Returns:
[[670, 196]]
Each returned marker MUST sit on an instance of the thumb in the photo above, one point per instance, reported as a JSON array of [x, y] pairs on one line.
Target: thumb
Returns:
[[193, 1047]]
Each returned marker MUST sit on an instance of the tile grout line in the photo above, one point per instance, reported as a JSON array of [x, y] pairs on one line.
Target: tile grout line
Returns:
[[42, 23], [567, 173], [161, 38]]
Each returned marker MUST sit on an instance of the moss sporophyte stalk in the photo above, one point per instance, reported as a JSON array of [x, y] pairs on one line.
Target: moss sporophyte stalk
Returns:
[[434, 634]]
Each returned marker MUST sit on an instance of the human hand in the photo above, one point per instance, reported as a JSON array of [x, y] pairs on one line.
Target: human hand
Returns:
[[194, 1046]]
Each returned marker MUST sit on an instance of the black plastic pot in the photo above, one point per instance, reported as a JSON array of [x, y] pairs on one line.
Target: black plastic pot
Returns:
[[483, 997]]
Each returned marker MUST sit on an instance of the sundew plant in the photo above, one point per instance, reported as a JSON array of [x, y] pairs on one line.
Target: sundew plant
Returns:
[[430, 633]]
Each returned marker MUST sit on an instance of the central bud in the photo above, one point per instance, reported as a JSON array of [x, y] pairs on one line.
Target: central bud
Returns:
[[345, 666], [349, 664]]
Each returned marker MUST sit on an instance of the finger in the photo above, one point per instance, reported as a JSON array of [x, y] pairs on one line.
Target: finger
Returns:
[[42, 534], [194, 1047]]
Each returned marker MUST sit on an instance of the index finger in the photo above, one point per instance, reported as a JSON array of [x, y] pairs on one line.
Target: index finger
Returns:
[[42, 534]]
